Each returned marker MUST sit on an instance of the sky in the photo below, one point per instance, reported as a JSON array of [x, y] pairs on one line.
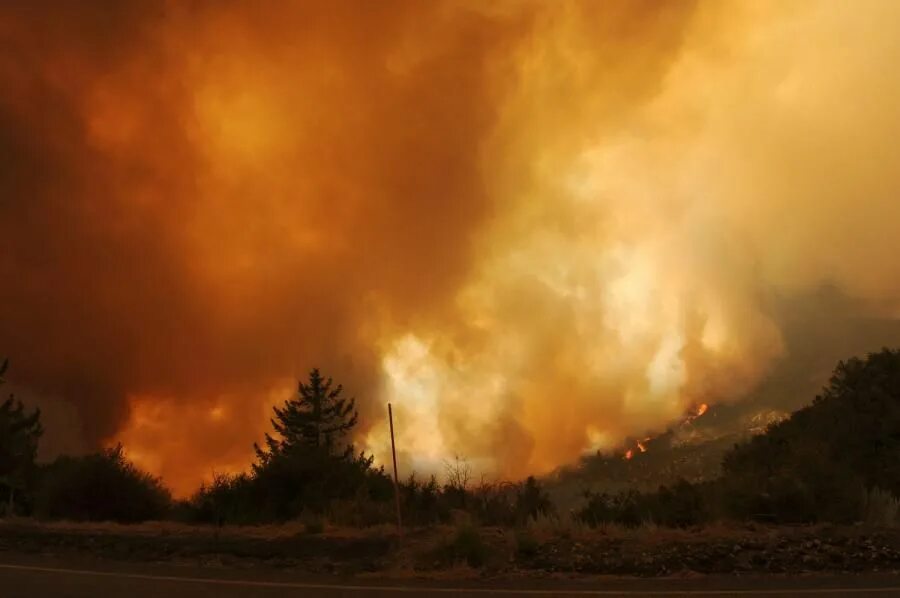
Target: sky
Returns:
[[536, 228]]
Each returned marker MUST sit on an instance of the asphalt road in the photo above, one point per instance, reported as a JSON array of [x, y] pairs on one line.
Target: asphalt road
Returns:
[[36, 576]]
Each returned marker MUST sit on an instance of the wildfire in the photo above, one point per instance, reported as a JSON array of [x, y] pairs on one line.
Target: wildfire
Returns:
[[641, 445], [248, 151], [701, 409]]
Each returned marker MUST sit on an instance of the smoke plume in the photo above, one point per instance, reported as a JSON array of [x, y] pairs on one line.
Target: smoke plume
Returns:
[[536, 228]]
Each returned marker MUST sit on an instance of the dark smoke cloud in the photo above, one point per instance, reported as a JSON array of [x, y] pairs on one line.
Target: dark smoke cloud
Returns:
[[200, 200], [537, 227]]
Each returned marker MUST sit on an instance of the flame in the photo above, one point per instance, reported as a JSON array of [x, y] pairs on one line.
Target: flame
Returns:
[[698, 412], [641, 445], [535, 228]]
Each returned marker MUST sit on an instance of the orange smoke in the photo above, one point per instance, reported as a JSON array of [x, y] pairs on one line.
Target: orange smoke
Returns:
[[537, 228], [206, 200]]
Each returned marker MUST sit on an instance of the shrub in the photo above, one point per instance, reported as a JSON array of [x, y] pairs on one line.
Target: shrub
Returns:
[[526, 544], [502, 504], [276, 495], [468, 546], [532, 501], [100, 487], [227, 499], [681, 505], [423, 503], [603, 509]]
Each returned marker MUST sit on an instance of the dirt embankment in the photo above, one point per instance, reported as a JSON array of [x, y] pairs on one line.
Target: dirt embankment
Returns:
[[483, 551]]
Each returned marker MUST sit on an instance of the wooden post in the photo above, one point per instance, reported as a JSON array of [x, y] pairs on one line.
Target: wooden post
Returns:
[[396, 477]]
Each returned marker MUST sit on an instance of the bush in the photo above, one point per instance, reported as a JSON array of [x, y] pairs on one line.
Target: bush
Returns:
[[526, 544], [287, 490], [532, 501], [468, 546], [227, 499], [100, 487], [503, 504], [681, 505], [423, 503], [624, 508]]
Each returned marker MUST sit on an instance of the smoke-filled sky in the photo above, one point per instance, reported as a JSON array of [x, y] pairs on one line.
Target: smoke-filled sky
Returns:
[[537, 228]]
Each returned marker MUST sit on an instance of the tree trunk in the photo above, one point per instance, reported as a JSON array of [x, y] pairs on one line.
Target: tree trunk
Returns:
[[12, 504]]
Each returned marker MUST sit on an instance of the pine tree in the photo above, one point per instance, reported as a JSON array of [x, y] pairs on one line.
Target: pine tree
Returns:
[[19, 434], [315, 421]]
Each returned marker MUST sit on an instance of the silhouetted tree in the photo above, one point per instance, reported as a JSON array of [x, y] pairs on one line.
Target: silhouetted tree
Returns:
[[317, 419], [816, 464], [309, 462], [19, 434]]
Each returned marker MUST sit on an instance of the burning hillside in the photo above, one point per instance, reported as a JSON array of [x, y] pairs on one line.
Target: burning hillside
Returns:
[[691, 450]]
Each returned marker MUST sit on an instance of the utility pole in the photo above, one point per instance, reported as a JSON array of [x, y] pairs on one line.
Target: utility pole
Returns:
[[396, 477]]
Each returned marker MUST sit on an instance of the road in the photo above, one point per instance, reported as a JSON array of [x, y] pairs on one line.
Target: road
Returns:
[[32, 576]]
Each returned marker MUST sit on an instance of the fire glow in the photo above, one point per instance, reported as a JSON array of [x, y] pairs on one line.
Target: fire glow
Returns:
[[537, 228], [641, 445]]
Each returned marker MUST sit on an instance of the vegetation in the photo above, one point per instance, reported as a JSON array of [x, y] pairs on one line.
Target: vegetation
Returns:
[[307, 466], [818, 464], [103, 486], [466, 545], [19, 435], [680, 505], [837, 460], [831, 461], [504, 504]]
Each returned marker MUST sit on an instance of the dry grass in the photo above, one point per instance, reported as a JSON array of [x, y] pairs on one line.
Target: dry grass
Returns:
[[545, 545], [459, 551], [544, 528], [172, 528]]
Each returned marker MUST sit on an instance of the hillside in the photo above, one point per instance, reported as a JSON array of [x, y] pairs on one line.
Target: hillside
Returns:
[[818, 463], [692, 450]]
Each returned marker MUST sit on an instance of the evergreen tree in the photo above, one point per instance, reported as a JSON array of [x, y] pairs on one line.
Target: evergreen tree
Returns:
[[315, 421], [19, 434], [309, 461]]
